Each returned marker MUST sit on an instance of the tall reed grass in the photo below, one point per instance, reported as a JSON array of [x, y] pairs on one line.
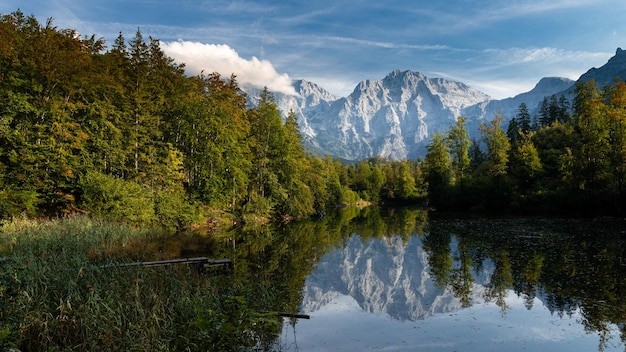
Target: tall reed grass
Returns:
[[60, 291]]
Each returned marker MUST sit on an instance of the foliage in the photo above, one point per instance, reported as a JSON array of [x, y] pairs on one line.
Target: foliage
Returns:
[[61, 288], [124, 134], [173, 211], [438, 169], [459, 144], [116, 199], [571, 163]]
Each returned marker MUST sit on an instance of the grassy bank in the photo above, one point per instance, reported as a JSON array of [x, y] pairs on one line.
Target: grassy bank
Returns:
[[60, 291]]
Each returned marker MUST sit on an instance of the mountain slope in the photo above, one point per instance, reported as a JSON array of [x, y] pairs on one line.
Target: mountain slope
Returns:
[[606, 74], [544, 88], [391, 118], [395, 117]]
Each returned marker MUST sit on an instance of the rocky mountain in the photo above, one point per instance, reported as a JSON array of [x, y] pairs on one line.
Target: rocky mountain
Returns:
[[614, 68], [394, 117], [544, 88], [312, 102]]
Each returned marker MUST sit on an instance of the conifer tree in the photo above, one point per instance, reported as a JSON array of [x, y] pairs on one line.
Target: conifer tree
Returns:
[[563, 109], [544, 112], [293, 170], [513, 131], [477, 156], [523, 118]]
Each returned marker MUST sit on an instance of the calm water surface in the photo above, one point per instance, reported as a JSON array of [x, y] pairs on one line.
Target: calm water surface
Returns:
[[403, 280]]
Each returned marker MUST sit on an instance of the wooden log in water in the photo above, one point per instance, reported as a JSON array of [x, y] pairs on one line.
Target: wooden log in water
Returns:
[[288, 315], [292, 315], [204, 261], [219, 262]]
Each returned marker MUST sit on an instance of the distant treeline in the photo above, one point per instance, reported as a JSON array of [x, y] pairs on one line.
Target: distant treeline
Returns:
[[123, 133]]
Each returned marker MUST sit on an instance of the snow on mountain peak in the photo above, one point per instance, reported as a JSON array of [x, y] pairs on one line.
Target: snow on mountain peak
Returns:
[[393, 117]]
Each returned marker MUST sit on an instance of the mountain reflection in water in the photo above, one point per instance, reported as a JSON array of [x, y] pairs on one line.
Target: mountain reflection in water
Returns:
[[469, 285]]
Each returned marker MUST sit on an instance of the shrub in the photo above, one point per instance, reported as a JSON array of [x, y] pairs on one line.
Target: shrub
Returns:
[[173, 211], [116, 199]]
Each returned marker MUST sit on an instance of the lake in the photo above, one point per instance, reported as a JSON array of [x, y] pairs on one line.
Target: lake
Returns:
[[402, 279]]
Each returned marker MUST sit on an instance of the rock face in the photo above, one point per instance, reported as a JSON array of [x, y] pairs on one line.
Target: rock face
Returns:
[[383, 276], [395, 117], [614, 68], [544, 88]]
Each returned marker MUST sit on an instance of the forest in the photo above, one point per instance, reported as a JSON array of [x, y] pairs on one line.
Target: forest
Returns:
[[569, 159], [124, 134]]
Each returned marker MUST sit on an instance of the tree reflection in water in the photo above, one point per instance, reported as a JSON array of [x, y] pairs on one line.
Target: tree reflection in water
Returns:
[[574, 265], [571, 266]]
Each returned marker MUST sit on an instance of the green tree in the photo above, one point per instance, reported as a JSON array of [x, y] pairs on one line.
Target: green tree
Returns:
[[552, 144], [210, 126], [362, 176], [563, 109], [294, 167], [332, 170], [438, 169], [407, 187], [523, 118], [590, 163], [513, 131], [376, 180], [267, 144], [459, 144], [617, 134], [318, 180], [544, 113], [555, 111], [525, 164], [477, 156], [43, 147], [116, 199], [498, 146]]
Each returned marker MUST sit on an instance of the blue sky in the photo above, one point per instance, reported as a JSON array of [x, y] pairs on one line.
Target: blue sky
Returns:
[[500, 47]]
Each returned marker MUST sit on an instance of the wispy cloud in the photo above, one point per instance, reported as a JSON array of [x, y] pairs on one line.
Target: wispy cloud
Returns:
[[545, 55], [461, 16], [239, 7], [504, 73], [507, 10], [381, 44], [225, 60]]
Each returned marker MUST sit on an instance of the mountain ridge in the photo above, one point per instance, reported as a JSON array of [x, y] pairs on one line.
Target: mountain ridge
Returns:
[[394, 117]]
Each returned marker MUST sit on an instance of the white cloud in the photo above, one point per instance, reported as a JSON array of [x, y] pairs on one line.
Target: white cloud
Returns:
[[223, 59]]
